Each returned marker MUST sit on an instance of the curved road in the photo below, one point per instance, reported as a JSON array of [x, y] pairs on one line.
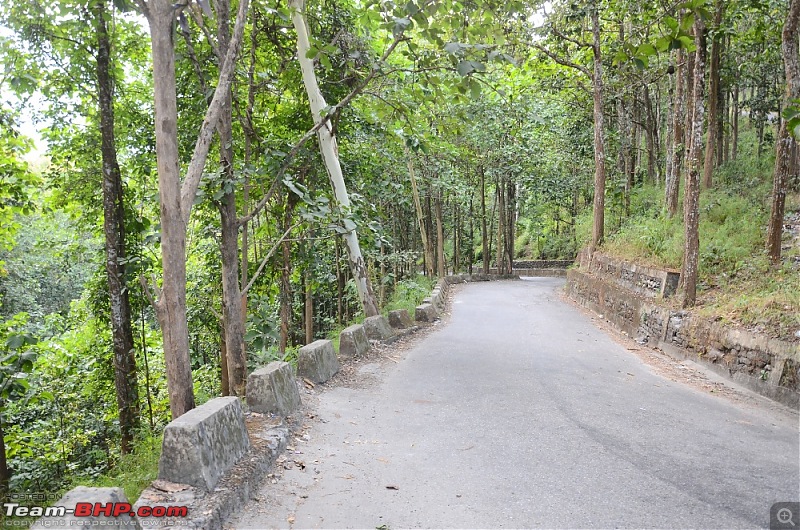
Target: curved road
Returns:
[[519, 412]]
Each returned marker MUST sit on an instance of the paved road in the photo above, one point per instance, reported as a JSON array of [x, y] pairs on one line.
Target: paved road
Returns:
[[519, 412]]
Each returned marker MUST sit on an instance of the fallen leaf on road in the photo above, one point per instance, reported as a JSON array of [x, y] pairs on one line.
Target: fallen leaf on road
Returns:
[[290, 519], [309, 383], [384, 460], [392, 487]]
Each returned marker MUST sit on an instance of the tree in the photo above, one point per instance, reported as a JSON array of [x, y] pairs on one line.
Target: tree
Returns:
[[177, 197], [114, 229], [329, 150], [785, 142], [691, 200], [596, 75]]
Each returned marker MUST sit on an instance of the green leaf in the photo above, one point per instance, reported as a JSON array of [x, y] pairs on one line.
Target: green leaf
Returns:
[[794, 127], [687, 22], [646, 50], [465, 68], [663, 44], [620, 57]]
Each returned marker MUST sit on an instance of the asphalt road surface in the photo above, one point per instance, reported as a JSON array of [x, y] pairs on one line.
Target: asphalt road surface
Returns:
[[518, 411]]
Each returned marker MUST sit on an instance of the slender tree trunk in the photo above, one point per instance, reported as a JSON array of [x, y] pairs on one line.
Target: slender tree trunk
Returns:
[[171, 307], [440, 263], [785, 144], [114, 228], [713, 99], [722, 99], [501, 218], [330, 155], [650, 135], [229, 240], [484, 230], [679, 137], [225, 380], [735, 124], [426, 248], [286, 271], [511, 222], [599, 134], [691, 209], [5, 473], [308, 316]]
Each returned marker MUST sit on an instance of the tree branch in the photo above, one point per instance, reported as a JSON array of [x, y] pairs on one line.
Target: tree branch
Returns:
[[195, 172], [312, 131], [561, 60], [266, 258]]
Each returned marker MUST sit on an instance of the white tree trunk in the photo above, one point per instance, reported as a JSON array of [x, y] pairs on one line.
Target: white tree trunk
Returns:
[[330, 156]]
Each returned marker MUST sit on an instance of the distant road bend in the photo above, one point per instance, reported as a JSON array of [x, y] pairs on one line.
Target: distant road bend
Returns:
[[518, 412]]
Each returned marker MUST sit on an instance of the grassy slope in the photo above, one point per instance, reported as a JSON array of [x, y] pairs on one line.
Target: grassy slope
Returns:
[[737, 283]]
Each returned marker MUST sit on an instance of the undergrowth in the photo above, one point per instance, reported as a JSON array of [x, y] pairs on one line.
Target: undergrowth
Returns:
[[736, 281]]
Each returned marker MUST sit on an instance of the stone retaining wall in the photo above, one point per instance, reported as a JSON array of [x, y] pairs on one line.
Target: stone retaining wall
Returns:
[[648, 281], [766, 365]]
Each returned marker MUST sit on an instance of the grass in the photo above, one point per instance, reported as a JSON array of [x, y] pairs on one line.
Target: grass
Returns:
[[408, 294], [736, 281], [134, 472]]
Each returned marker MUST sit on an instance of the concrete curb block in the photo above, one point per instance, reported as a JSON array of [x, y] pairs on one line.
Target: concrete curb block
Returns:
[[378, 328], [317, 361], [200, 446], [91, 495], [400, 319], [272, 389], [208, 511], [353, 341], [425, 312]]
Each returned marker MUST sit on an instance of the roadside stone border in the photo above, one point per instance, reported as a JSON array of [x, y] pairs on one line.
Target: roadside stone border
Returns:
[[209, 510], [273, 389], [91, 495], [765, 365], [317, 361], [353, 341], [478, 277], [200, 446]]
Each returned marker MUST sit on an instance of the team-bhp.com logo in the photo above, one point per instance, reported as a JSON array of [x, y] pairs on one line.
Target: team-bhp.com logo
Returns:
[[94, 509]]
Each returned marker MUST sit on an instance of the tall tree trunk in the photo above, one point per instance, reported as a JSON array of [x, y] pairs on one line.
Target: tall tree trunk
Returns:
[[225, 380], [440, 263], [735, 124], [5, 473], [691, 207], [176, 198], [171, 307], [484, 230], [286, 271], [713, 98], [229, 240], [599, 134], [330, 155], [308, 313], [678, 135], [501, 221], [426, 248], [650, 135], [785, 144], [511, 222], [114, 228]]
